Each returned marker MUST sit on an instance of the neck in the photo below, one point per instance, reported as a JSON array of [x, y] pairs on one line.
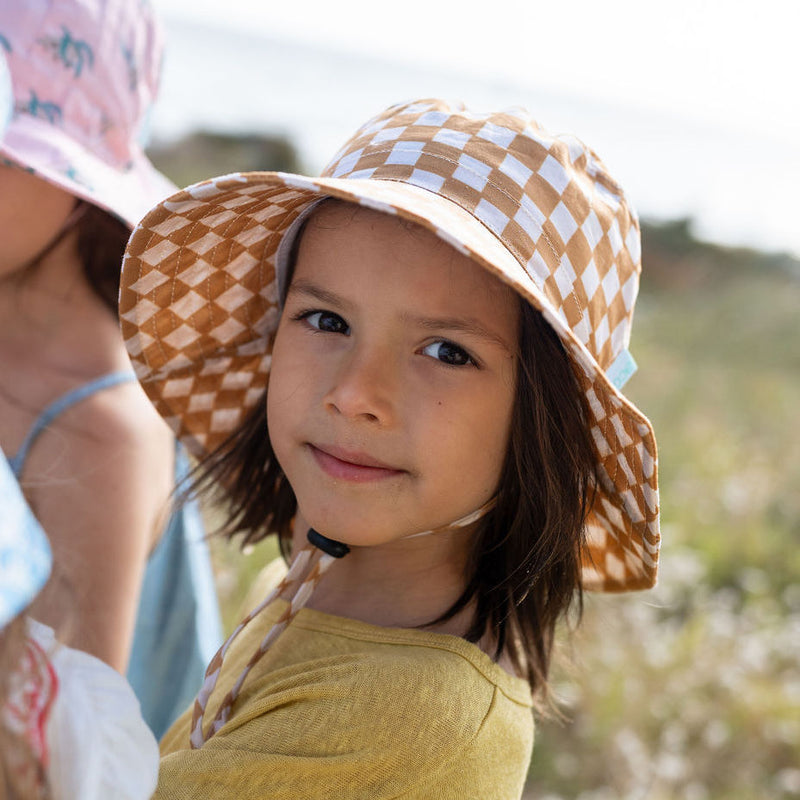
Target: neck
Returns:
[[406, 583]]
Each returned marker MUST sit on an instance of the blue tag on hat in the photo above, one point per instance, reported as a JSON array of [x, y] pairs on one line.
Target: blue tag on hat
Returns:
[[621, 369]]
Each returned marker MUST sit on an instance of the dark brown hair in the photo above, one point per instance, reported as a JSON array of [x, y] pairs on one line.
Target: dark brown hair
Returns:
[[524, 570], [101, 245]]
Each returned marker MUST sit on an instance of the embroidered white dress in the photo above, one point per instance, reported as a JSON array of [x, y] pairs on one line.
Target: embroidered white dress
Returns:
[[98, 744]]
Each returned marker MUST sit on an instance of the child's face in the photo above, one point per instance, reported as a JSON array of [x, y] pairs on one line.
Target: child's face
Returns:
[[393, 378]]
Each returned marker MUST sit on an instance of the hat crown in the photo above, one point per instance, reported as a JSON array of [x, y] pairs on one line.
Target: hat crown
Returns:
[[90, 69], [548, 199]]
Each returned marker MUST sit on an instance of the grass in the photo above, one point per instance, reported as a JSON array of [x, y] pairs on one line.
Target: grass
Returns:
[[693, 690]]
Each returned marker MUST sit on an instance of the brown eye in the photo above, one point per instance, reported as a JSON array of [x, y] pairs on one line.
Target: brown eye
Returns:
[[327, 322], [448, 353]]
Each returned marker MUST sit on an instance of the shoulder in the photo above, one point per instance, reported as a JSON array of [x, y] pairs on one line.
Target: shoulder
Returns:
[[110, 451], [116, 442], [378, 721], [431, 680], [437, 721], [386, 687], [107, 457], [448, 663], [123, 416], [377, 712], [113, 431]]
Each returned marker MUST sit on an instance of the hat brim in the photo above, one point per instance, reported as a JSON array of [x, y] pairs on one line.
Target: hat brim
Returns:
[[126, 192], [199, 309]]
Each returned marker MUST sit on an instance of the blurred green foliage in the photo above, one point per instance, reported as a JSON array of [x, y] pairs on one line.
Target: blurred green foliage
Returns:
[[692, 691], [206, 154]]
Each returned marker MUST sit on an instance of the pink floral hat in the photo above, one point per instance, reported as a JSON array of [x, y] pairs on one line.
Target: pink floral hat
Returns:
[[84, 76]]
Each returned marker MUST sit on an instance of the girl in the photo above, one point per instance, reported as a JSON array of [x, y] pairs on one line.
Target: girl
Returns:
[[70, 725], [96, 463], [436, 333]]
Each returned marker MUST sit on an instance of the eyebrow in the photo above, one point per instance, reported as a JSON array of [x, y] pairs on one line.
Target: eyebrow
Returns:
[[466, 325], [312, 290]]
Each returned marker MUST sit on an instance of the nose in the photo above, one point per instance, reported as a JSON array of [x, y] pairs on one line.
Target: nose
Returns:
[[365, 386]]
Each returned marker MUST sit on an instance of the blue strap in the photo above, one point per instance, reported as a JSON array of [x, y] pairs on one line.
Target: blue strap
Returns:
[[59, 406]]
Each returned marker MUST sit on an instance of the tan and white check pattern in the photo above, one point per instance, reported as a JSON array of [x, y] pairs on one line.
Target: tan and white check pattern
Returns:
[[199, 294]]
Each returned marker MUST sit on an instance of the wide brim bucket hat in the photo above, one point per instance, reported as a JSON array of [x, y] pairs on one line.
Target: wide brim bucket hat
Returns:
[[200, 295], [84, 77], [25, 555]]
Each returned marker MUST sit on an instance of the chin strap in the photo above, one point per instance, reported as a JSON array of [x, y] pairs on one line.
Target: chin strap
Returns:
[[302, 578], [463, 522], [305, 572]]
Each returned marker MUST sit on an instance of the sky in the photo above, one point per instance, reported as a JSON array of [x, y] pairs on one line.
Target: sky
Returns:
[[713, 83], [724, 61]]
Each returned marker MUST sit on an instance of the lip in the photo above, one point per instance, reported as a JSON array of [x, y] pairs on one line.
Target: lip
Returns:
[[351, 465]]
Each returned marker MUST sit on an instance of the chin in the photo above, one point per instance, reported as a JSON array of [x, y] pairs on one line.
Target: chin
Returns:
[[355, 530]]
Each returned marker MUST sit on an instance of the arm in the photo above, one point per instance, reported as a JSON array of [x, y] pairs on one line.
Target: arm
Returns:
[[99, 481]]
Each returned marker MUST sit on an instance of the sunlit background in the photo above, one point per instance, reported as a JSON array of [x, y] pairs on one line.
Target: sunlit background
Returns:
[[692, 103], [693, 690]]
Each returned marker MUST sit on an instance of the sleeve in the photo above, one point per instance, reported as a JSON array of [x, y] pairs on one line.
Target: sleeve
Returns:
[[364, 731], [100, 747]]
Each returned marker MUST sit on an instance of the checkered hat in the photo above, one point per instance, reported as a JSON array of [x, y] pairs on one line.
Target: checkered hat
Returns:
[[199, 297], [84, 76]]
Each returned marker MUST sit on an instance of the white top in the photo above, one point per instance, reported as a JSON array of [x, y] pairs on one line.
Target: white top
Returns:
[[99, 745]]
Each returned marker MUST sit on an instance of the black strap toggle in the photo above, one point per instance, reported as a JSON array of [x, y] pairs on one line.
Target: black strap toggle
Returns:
[[329, 546]]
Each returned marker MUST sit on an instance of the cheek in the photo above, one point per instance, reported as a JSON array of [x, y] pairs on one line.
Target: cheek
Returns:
[[491, 428], [288, 360], [25, 234], [279, 391], [491, 444], [295, 379], [471, 438]]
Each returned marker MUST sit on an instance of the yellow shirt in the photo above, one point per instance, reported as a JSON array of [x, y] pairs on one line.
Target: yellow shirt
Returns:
[[342, 709]]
